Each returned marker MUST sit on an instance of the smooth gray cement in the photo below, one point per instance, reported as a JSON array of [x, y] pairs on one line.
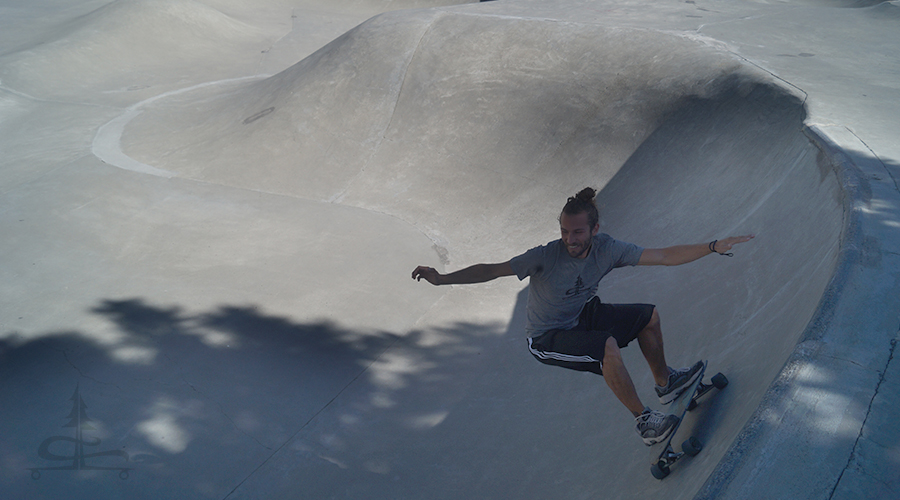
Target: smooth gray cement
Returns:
[[210, 210]]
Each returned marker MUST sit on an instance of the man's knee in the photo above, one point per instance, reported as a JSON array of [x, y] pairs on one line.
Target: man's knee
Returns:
[[654, 318], [611, 352], [654, 324]]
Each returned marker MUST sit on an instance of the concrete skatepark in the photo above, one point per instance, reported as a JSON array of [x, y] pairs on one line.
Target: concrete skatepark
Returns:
[[211, 210]]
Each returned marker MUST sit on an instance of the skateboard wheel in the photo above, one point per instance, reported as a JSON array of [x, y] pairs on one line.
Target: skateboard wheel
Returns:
[[719, 381], [692, 405], [692, 446], [659, 470]]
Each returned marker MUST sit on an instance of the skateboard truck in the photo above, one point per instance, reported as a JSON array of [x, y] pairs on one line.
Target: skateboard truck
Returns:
[[691, 446]]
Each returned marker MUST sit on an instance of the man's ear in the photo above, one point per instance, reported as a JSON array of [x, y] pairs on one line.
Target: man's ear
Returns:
[[596, 229]]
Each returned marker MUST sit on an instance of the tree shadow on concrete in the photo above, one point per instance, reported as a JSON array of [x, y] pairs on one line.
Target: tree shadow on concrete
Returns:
[[200, 402]]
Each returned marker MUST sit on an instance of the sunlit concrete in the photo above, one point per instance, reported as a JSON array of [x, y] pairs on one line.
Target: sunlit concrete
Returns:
[[211, 209]]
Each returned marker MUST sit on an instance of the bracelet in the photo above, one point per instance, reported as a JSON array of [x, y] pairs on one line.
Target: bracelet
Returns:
[[712, 248]]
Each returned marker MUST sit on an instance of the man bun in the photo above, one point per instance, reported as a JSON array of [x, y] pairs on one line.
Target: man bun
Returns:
[[587, 194], [583, 202]]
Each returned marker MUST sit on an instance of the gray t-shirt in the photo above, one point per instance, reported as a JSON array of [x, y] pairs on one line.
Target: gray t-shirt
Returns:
[[560, 284]]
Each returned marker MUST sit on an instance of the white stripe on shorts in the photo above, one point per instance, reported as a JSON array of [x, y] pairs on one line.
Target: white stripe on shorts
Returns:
[[562, 357]]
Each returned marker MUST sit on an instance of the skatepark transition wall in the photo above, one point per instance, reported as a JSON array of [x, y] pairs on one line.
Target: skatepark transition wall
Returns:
[[474, 129], [443, 137]]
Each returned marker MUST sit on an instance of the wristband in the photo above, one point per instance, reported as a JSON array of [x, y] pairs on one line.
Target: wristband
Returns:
[[712, 248]]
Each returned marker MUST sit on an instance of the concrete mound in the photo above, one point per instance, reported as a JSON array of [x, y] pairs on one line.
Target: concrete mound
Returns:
[[443, 100]]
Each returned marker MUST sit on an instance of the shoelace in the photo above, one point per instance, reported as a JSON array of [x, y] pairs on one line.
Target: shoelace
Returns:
[[651, 418], [674, 374]]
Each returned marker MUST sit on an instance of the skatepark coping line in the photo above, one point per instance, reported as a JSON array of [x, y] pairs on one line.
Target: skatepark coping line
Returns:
[[107, 143], [695, 35]]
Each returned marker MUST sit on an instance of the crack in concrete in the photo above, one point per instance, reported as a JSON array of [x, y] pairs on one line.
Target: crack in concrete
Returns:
[[365, 369], [78, 370], [212, 401], [890, 174], [224, 413], [382, 135], [846, 360], [853, 453]]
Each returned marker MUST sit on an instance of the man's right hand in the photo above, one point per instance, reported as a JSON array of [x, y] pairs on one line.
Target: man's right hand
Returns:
[[429, 274], [479, 273]]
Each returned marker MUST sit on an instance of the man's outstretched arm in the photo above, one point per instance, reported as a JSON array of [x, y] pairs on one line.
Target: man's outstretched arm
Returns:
[[682, 254], [479, 273]]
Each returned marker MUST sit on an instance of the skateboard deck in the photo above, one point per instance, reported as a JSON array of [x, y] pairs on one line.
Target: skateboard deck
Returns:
[[662, 454]]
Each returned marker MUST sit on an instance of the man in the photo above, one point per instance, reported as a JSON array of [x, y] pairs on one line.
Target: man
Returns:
[[568, 326]]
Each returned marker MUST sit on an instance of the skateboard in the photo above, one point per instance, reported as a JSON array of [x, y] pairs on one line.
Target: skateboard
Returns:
[[662, 454]]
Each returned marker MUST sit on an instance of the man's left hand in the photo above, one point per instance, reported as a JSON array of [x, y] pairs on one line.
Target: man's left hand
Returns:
[[723, 246]]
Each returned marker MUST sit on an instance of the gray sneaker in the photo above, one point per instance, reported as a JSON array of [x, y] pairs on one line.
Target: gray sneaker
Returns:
[[679, 380], [655, 426]]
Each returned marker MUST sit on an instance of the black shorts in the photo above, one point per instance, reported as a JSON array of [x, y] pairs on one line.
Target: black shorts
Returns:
[[582, 347]]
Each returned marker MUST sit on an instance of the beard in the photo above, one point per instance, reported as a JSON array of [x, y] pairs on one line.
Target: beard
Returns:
[[580, 250]]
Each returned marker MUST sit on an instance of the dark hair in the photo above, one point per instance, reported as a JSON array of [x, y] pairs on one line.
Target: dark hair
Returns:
[[583, 202]]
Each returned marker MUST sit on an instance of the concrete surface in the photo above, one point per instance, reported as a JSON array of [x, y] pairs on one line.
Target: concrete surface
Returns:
[[211, 209]]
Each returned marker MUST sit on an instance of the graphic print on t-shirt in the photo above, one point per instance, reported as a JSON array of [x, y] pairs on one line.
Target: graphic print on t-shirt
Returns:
[[578, 288]]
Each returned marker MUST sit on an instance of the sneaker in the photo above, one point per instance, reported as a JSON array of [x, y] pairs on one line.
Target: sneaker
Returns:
[[679, 380], [655, 426]]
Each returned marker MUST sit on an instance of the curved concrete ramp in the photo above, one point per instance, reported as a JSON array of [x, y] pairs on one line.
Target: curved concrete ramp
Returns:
[[212, 249]]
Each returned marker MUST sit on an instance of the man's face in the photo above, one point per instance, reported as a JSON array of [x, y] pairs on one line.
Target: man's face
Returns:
[[576, 233]]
